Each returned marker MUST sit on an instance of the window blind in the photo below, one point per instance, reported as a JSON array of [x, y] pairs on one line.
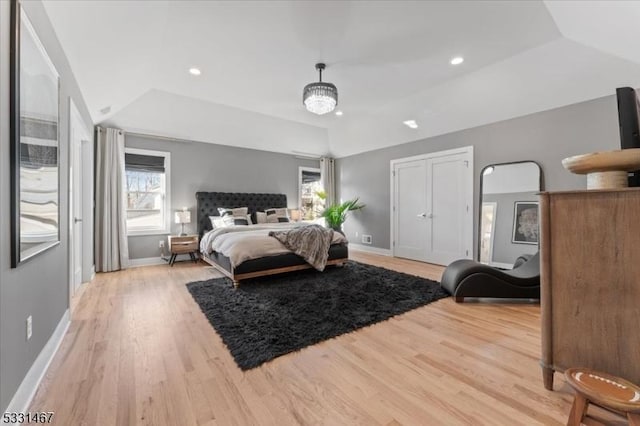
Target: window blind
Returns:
[[143, 163], [308, 177]]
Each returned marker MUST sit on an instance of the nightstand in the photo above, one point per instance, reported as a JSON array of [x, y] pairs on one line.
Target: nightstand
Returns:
[[183, 245]]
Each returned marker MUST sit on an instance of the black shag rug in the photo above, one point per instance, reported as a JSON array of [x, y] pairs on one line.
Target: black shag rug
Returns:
[[271, 316]]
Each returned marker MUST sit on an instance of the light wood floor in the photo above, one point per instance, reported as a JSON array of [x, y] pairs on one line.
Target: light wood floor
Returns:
[[139, 351]]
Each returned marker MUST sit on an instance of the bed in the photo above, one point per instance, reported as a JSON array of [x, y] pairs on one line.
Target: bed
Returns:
[[207, 204]]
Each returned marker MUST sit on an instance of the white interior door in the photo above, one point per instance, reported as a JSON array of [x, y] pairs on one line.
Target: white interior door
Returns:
[[432, 206], [76, 208], [447, 209], [409, 209]]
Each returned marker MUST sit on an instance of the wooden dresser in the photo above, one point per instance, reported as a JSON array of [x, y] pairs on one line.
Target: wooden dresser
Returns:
[[590, 288]]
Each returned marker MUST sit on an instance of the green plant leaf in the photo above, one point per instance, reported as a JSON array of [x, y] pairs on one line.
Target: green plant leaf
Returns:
[[336, 214]]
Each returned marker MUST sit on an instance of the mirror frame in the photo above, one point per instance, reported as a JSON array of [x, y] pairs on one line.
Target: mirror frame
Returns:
[[478, 234], [14, 126]]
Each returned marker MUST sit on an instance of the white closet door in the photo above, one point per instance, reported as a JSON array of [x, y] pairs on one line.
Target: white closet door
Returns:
[[447, 209], [432, 206], [410, 204]]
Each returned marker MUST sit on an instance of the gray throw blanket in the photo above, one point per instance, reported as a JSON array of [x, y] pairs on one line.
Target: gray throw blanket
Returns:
[[309, 242]]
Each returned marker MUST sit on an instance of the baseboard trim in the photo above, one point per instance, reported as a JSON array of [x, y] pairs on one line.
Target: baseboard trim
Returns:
[[27, 389], [369, 249], [146, 261]]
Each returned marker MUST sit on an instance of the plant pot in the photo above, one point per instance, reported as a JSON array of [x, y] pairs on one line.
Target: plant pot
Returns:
[[338, 229]]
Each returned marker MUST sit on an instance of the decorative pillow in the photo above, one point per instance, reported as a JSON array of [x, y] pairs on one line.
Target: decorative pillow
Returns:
[[240, 211], [218, 222], [231, 215], [261, 217], [277, 215], [240, 220]]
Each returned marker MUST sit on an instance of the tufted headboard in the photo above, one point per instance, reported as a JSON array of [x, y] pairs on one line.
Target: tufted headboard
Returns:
[[207, 204]]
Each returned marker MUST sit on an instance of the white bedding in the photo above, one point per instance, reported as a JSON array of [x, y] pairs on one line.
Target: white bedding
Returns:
[[242, 243]]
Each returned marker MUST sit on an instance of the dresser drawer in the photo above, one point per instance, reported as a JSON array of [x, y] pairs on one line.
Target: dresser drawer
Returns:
[[186, 244]]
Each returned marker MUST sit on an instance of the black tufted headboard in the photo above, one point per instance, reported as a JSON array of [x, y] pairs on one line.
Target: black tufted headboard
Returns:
[[207, 204]]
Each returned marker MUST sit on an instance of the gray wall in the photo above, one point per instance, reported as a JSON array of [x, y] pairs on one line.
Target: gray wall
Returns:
[[546, 137], [38, 287], [197, 166], [504, 251]]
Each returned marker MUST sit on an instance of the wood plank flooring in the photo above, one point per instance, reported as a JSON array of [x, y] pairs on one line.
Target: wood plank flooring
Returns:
[[140, 352]]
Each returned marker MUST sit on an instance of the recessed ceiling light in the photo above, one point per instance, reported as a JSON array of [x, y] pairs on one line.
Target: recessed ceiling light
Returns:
[[411, 124], [457, 60], [106, 110], [195, 71], [339, 113]]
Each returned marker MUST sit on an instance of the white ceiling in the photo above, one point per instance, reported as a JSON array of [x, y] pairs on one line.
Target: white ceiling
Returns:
[[389, 60]]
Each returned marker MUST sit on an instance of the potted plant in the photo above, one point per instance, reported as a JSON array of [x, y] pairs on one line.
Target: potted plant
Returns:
[[336, 214]]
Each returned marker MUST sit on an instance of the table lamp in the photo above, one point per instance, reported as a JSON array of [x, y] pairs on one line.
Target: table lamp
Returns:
[[183, 216], [295, 215]]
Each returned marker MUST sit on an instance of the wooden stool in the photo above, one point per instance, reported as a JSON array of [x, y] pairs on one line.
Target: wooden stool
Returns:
[[604, 390]]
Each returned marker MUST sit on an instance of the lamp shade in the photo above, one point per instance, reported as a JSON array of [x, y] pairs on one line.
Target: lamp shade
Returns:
[[183, 216], [295, 215]]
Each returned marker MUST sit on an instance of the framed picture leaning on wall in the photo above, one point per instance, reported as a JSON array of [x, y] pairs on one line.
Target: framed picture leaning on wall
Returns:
[[35, 143], [525, 222]]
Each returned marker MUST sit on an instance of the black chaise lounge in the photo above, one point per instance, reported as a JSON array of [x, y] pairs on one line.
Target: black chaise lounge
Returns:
[[467, 278]]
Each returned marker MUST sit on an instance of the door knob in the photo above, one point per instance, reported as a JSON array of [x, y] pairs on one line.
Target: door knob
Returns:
[[422, 215], [76, 220]]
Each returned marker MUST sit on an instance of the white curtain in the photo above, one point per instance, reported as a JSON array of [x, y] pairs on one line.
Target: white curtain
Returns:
[[328, 179], [112, 247]]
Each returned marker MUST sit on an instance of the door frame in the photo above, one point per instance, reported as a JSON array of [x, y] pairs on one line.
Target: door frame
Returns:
[[75, 122], [468, 151], [493, 229]]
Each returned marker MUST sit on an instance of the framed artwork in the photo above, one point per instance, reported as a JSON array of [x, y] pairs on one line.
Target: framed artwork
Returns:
[[525, 222], [35, 142]]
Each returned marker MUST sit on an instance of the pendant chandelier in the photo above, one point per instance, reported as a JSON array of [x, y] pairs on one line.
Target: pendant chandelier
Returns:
[[320, 98]]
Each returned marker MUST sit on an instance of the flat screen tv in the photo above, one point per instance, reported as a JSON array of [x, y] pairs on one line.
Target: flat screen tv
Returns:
[[629, 122]]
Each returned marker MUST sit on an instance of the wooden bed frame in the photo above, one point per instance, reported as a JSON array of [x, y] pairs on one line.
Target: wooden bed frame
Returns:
[[236, 278], [207, 204]]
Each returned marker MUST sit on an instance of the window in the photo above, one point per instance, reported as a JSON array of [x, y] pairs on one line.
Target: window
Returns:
[[147, 177], [310, 190]]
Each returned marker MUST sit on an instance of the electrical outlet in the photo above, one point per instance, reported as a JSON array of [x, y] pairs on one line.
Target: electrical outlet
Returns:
[[29, 327], [161, 244], [366, 239]]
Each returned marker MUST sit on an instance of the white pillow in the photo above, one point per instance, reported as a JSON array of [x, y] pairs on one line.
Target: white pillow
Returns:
[[228, 220], [240, 211], [261, 217], [277, 215], [235, 216], [218, 222]]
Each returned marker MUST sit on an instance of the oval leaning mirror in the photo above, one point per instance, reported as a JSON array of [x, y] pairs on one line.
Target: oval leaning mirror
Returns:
[[508, 226]]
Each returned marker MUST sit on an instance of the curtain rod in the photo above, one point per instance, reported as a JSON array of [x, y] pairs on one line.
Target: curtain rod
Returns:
[[100, 128]]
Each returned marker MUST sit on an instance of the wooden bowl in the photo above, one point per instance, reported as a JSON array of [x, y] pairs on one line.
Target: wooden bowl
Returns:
[[605, 169]]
